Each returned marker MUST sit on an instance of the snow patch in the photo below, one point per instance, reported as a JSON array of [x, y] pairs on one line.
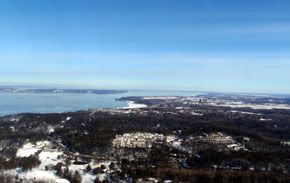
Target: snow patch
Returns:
[[133, 105]]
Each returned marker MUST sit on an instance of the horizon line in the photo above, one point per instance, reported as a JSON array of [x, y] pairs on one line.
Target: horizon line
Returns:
[[30, 86]]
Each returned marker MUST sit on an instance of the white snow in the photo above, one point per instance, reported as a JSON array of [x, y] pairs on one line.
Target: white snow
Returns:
[[42, 175], [196, 113], [101, 177], [49, 157], [36, 174], [265, 119], [79, 168], [242, 112], [160, 98], [88, 178], [171, 138], [27, 150], [68, 118], [50, 129], [133, 105]]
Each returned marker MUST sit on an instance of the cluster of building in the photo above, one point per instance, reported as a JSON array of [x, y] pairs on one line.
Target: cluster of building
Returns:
[[220, 138], [146, 140], [137, 140], [223, 101], [216, 138], [124, 111]]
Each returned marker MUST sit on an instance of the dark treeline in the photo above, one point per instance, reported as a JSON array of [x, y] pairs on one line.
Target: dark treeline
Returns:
[[207, 176], [26, 163]]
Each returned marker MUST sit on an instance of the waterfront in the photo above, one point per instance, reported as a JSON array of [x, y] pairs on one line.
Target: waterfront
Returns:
[[14, 103]]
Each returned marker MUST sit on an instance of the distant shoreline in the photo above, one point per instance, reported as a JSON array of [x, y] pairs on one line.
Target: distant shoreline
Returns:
[[54, 90]]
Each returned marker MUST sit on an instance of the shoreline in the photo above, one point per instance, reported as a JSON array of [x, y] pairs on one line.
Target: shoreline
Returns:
[[133, 105], [130, 105]]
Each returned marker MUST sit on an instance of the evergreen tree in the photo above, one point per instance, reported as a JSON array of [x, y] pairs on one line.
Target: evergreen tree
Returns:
[[77, 177]]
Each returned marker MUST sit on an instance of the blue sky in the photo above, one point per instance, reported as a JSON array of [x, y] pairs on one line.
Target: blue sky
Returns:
[[203, 45]]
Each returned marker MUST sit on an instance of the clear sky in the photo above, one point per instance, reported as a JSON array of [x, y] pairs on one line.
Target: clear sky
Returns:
[[202, 45]]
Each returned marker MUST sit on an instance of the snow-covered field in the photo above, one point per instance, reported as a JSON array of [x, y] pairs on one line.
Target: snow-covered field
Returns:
[[242, 112], [133, 105], [29, 149], [49, 156]]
